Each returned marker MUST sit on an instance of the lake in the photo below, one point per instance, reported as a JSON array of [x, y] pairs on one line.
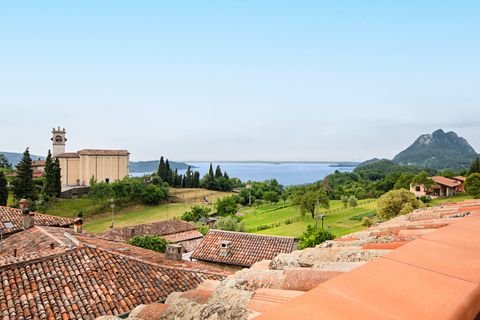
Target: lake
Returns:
[[289, 173]]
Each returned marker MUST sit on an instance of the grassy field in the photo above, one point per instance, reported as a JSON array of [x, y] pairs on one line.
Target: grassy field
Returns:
[[135, 215], [338, 219], [455, 198], [96, 221]]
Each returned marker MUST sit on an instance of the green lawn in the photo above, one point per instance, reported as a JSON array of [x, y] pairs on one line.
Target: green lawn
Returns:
[[338, 220], [455, 198], [70, 207], [136, 215]]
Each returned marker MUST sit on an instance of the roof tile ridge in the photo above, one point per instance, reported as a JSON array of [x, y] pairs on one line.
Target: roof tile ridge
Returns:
[[48, 234], [38, 259], [250, 234], [152, 223], [113, 252]]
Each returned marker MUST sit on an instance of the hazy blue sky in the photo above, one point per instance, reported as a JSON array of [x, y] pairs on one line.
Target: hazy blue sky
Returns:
[[238, 80]]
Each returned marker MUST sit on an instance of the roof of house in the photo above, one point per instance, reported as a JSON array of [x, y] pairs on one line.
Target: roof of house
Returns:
[[87, 277], [433, 277], [35, 242], [38, 163], [446, 181], [15, 217], [93, 152], [245, 248], [460, 178], [183, 236], [160, 228]]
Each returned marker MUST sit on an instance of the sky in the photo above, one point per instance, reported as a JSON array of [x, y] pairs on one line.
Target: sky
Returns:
[[238, 80]]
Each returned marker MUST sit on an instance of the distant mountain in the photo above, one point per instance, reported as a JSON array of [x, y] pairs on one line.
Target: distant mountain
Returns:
[[152, 165], [438, 150], [371, 161], [15, 157]]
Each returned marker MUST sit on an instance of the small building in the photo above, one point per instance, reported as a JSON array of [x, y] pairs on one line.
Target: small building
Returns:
[[78, 168], [442, 187], [239, 248]]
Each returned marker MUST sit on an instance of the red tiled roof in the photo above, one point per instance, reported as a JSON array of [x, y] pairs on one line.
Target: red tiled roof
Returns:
[[183, 236], [68, 155], [38, 163], [446, 181], [88, 282], [15, 216], [245, 248], [160, 228], [433, 277]]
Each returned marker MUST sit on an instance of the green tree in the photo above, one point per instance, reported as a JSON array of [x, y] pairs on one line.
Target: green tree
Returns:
[[4, 162], [149, 242], [475, 167], [3, 190], [152, 195], [57, 178], [271, 196], [353, 201], [168, 172], [344, 200], [229, 223], [196, 212], [307, 199], [23, 184], [396, 202], [210, 171], [404, 181], [423, 179], [101, 191], [49, 187], [162, 169], [218, 172], [226, 206], [472, 185], [312, 237]]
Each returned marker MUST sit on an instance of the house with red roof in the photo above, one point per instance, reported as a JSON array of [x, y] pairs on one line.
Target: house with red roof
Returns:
[[442, 187]]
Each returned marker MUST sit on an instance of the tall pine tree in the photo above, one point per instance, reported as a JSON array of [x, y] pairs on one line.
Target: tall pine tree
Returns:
[[210, 171], [23, 185], [218, 172], [168, 172], [3, 189]]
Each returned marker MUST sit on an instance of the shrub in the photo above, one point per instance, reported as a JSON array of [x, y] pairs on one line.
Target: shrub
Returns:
[[229, 223], [472, 185], [367, 222], [396, 202], [312, 237], [226, 206], [353, 201], [152, 195], [196, 212], [154, 243]]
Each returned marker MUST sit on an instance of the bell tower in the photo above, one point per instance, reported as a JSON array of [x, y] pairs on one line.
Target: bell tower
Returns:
[[58, 139]]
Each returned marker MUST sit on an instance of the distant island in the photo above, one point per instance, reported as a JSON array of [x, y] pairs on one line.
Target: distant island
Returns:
[[152, 166]]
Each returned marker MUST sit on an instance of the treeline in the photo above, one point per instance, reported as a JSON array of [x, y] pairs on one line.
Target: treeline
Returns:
[[213, 180], [24, 186]]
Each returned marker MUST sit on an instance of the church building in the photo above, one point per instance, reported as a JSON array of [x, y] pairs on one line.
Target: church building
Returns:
[[78, 168]]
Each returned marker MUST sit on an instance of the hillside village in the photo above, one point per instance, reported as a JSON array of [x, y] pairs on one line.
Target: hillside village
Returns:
[[208, 265]]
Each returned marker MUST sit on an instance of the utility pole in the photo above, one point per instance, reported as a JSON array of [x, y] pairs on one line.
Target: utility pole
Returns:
[[112, 205]]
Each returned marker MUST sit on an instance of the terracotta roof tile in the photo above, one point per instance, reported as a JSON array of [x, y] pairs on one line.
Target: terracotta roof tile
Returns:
[[15, 216], [245, 248], [446, 181], [103, 152]]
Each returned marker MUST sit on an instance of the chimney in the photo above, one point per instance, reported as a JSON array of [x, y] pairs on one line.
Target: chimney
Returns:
[[15, 252], [52, 245], [28, 217], [77, 225], [173, 252], [224, 248]]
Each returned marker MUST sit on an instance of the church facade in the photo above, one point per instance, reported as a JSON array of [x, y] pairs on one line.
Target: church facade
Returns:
[[78, 168]]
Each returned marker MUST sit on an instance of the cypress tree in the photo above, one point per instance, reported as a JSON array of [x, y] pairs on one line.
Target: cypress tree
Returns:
[[188, 178], [196, 179], [168, 172], [49, 186], [475, 167], [218, 172], [162, 169], [225, 175], [57, 178], [210, 171], [23, 185], [3, 190]]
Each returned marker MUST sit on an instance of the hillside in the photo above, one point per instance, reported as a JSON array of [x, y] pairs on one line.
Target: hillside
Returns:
[[439, 150], [152, 165], [15, 157]]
